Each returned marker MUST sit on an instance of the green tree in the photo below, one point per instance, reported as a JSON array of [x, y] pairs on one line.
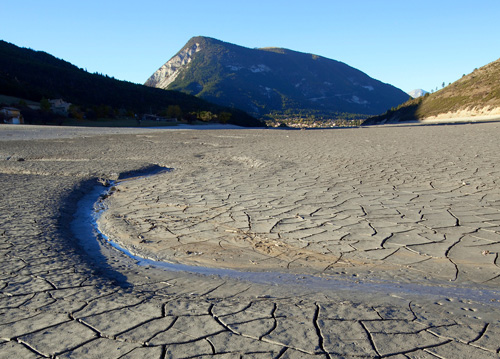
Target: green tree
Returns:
[[45, 105], [206, 116], [224, 117], [75, 112], [190, 117], [174, 111]]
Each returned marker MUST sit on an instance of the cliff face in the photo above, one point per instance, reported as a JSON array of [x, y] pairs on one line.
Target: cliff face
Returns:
[[273, 80], [171, 69]]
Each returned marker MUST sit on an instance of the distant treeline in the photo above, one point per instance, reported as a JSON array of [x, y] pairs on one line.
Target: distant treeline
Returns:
[[34, 75]]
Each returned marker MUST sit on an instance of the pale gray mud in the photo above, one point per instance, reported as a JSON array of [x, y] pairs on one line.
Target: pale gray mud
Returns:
[[402, 222]]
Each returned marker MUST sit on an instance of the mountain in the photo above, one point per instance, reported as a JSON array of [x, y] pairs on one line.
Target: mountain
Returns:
[[475, 96], [33, 75], [417, 93], [270, 81]]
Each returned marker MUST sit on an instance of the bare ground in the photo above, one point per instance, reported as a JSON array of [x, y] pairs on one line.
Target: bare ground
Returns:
[[407, 217]]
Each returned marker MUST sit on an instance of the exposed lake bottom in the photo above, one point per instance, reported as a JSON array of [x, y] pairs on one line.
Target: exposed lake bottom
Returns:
[[94, 205]]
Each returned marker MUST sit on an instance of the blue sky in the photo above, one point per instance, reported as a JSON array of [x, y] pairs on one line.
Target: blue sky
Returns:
[[409, 44]]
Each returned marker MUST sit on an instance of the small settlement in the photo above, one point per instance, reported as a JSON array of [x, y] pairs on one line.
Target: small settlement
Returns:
[[14, 116]]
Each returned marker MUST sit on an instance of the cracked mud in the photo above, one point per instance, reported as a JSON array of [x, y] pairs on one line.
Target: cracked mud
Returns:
[[417, 207]]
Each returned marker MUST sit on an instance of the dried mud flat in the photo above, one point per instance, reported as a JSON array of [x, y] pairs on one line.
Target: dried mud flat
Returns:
[[386, 238]]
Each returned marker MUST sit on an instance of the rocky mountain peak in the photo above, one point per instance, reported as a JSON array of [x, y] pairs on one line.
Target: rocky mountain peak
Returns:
[[167, 74], [273, 80]]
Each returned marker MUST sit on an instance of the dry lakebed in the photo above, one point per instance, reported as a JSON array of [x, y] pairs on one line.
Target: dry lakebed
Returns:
[[379, 242]]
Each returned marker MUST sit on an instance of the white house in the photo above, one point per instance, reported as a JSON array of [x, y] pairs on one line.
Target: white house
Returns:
[[12, 115], [59, 106]]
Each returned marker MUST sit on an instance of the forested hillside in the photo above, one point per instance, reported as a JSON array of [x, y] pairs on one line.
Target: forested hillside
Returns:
[[35, 75]]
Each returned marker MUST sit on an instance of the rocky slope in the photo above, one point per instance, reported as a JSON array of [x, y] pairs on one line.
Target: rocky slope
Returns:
[[474, 97], [270, 81], [417, 93]]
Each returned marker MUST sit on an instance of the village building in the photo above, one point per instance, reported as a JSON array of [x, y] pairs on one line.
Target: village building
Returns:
[[11, 115], [151, 117], [59, 106]]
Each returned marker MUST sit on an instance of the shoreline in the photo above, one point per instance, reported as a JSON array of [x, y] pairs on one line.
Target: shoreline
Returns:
[[465, 119], [50, 132]]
